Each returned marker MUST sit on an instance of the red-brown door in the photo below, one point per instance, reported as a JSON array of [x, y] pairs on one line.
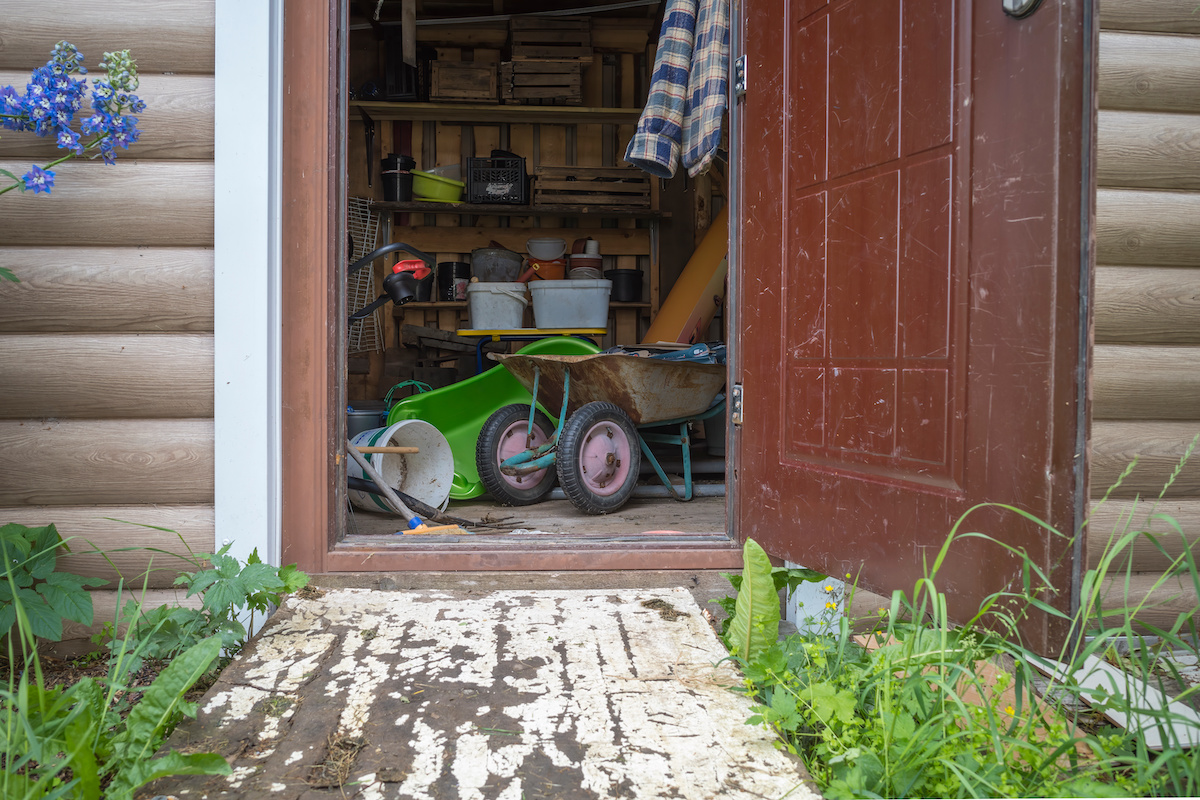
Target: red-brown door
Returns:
[[912, 207]]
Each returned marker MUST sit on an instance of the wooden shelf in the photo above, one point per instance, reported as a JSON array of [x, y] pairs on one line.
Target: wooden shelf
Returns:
[[399, 310], [510, 210], [487, 114]]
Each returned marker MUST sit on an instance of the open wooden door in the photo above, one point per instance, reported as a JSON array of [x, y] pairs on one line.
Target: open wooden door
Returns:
[[911, 258]]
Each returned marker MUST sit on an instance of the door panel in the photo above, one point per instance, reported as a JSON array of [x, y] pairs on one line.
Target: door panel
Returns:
[[910, 293]]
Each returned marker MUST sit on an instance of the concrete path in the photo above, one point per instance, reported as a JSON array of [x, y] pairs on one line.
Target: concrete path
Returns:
[[510, 694]]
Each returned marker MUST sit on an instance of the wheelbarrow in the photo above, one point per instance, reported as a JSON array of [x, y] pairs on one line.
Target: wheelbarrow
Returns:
[[609, 403]]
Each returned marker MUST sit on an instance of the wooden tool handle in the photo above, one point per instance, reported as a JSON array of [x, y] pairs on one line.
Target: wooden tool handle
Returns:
[[406, 450]]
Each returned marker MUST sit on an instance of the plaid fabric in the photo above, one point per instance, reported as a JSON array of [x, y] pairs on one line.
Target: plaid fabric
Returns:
[[656, 144], [707, 87]]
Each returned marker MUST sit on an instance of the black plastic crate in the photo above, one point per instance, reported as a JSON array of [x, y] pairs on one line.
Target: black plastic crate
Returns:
[[497, 180]]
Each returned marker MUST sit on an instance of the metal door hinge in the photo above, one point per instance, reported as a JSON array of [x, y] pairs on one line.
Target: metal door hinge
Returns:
[[739, 77], [735, 405]]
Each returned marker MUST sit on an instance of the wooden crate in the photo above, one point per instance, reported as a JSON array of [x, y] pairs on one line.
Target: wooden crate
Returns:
[[627, 187], [554, 38], [542, 82], [463, 82]]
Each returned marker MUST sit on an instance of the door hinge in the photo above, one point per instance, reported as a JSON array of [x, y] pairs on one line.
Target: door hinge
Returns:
[[735, 405], [739, 77]]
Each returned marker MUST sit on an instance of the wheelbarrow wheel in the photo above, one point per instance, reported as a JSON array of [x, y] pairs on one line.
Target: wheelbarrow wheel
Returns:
[[504, 435], [598, 458]]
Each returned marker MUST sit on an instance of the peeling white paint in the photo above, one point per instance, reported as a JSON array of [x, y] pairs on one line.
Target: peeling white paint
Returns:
[[294, 757]]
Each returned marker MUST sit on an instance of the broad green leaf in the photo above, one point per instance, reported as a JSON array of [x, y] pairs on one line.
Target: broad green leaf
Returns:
[[140, 773], [44, 623], [163, 700], [68, 598], [829, 702], [755, 623], [8, 615], [261, 577], [293, 579]]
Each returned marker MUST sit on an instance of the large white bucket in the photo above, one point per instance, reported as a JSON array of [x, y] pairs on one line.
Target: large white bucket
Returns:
[[498, 306], [571, 303], [425, 475]]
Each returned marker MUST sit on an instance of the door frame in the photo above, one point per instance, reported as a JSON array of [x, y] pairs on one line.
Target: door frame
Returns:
[[312, 176]]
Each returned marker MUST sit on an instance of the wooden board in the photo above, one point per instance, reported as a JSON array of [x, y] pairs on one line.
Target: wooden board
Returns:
[[121, 536], [1146, 382], [1158, 447], [1146, 227], [78, 462], [106, 376], [177, 122], [1148, 72], [107, 289], [1167, 16], [165, 35], [550, 38], [463, 82], [1147, 305], [1141, 149], [613, 241], [147, 203], [1114, 518]]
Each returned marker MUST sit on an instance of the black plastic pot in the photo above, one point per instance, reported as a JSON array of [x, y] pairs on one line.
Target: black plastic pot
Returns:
[[397, 177], [627, 285]]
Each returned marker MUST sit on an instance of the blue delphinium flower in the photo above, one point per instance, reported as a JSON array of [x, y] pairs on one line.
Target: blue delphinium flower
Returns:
[[69, 140], [38, 179]]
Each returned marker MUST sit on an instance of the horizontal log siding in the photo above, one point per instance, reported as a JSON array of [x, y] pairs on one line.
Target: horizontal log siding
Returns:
[[165, 35], [107, 289], [177, 123], [1142, 149], [106, 376], [1149, 72], [1147, 305], [106, 346], [1158, 16], [98, 535]]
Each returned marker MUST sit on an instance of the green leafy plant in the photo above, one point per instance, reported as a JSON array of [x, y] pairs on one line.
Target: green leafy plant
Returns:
[[921, 707], [74, 741], [230, 591], [47, 596]]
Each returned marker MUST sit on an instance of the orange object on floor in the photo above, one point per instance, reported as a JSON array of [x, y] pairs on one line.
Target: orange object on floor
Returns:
[[698, 293]]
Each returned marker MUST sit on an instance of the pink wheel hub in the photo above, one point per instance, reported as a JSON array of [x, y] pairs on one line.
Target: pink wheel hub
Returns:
[[515, 439], [604, 458]]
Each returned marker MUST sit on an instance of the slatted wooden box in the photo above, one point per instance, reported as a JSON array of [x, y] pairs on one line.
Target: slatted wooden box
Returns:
[[627, 187], [542, 82], [554, 38], [463, 82]]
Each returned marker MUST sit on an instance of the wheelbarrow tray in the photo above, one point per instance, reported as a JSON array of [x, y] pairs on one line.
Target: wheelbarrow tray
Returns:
[[649, 390]]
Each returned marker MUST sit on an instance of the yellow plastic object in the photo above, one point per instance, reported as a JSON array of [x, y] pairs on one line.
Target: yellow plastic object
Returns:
[[697, 294], [428, 186]]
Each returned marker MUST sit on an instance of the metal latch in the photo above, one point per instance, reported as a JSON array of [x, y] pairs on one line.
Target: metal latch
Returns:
[[735, 405], [739, 77]]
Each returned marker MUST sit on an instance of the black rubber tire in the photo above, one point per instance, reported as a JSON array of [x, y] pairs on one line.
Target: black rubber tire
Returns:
[[488, 462], [568, 463]]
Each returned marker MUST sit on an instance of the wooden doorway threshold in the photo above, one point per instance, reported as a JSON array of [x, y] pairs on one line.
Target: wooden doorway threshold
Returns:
[[645, 535]]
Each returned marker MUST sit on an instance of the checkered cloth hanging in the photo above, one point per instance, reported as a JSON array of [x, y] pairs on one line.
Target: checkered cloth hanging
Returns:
[[655, 145], [707, 86]]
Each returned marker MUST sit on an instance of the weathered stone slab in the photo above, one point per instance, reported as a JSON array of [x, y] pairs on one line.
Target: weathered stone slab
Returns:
[[501, 694]]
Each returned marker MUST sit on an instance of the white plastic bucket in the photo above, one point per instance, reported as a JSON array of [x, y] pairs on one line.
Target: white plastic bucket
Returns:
[[425, 475], [571, 303], [496, 306]]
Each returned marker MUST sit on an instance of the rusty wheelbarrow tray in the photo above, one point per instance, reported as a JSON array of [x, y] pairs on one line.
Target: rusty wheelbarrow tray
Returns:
[[649, 390]]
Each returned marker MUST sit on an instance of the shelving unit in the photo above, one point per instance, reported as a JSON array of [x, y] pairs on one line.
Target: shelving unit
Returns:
[[488, 114]]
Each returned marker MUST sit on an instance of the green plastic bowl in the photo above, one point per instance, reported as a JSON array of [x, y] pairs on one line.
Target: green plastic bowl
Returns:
[[428, 186]]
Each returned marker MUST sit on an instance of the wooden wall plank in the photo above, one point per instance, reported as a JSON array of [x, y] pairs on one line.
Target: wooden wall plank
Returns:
[[106, 376], [177, 123], [1149, 72], [1168, 16], [613, 241], [1158, 447], [1145, 227], [1146, 382], [161, 203], [114, 530], [1147, 305], [1175, 525], [107, 289], [1139, 149], [1159, 601], [116, 462], [164, 35]]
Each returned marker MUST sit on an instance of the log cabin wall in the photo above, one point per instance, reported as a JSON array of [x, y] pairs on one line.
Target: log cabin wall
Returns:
[[1147, 302], [106, 344]]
